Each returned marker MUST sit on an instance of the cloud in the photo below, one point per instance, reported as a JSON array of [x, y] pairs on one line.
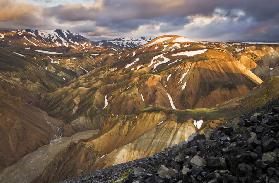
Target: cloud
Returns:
[[201, 19], [221, 25], [21, 14], [75, 11], [14, 11]]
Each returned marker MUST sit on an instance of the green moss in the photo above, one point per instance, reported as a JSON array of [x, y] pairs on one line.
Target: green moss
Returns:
[[123, 176]]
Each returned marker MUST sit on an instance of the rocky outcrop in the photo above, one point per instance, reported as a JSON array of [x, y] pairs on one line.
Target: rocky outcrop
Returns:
[[246, 151], [165, 134]]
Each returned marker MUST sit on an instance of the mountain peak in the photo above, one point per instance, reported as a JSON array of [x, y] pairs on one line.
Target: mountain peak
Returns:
[[48, 38]]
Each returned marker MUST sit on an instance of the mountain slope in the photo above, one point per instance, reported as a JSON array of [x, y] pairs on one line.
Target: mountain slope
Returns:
[[126, 104], [154, 77], [243, 150], [23, 129], [88, 155], [144, 108]]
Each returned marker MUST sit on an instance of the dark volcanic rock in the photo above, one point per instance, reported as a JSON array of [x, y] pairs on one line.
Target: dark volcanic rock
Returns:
[[216, 163], [165, 172]]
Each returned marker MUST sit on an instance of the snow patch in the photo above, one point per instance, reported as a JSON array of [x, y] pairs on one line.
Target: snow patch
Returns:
[[53, 61], [103, 156], [84, 69], [106, 102], [31, 33], [168, 78], [184, 85], [129, 65], [160, 123], [183, 76], [20, 33], [190, 53], [176, 46], [142, 97], [19, 54], [174, 62], [164, 60], [198, 123], [239, 49], [64, 42], [30, 41], [139, 67], [171, 101], [48, 52]]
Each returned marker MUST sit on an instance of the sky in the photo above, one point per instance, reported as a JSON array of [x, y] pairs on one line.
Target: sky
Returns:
[[220, 20]]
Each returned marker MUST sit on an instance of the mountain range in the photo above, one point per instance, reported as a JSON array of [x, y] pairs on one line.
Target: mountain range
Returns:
[[70, 106]]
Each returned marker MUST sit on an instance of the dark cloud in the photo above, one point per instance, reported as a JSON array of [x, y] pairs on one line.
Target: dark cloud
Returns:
[[76, 12], [204, 19]]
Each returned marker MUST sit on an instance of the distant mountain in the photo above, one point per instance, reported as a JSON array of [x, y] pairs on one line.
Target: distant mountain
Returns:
[[43, 38], [59, 36], [124, 42]]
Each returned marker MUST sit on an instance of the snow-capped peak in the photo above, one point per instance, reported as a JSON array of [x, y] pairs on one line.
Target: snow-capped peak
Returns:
[[126, 42], [54, 38]]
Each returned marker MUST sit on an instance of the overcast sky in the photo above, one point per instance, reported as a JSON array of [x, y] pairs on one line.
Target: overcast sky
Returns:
[[249, 20]]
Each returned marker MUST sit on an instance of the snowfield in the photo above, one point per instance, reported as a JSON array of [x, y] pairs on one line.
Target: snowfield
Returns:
[[190, 53], [48, 52]]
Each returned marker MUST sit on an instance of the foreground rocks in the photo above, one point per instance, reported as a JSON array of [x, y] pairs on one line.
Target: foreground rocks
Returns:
[[247, 151]]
